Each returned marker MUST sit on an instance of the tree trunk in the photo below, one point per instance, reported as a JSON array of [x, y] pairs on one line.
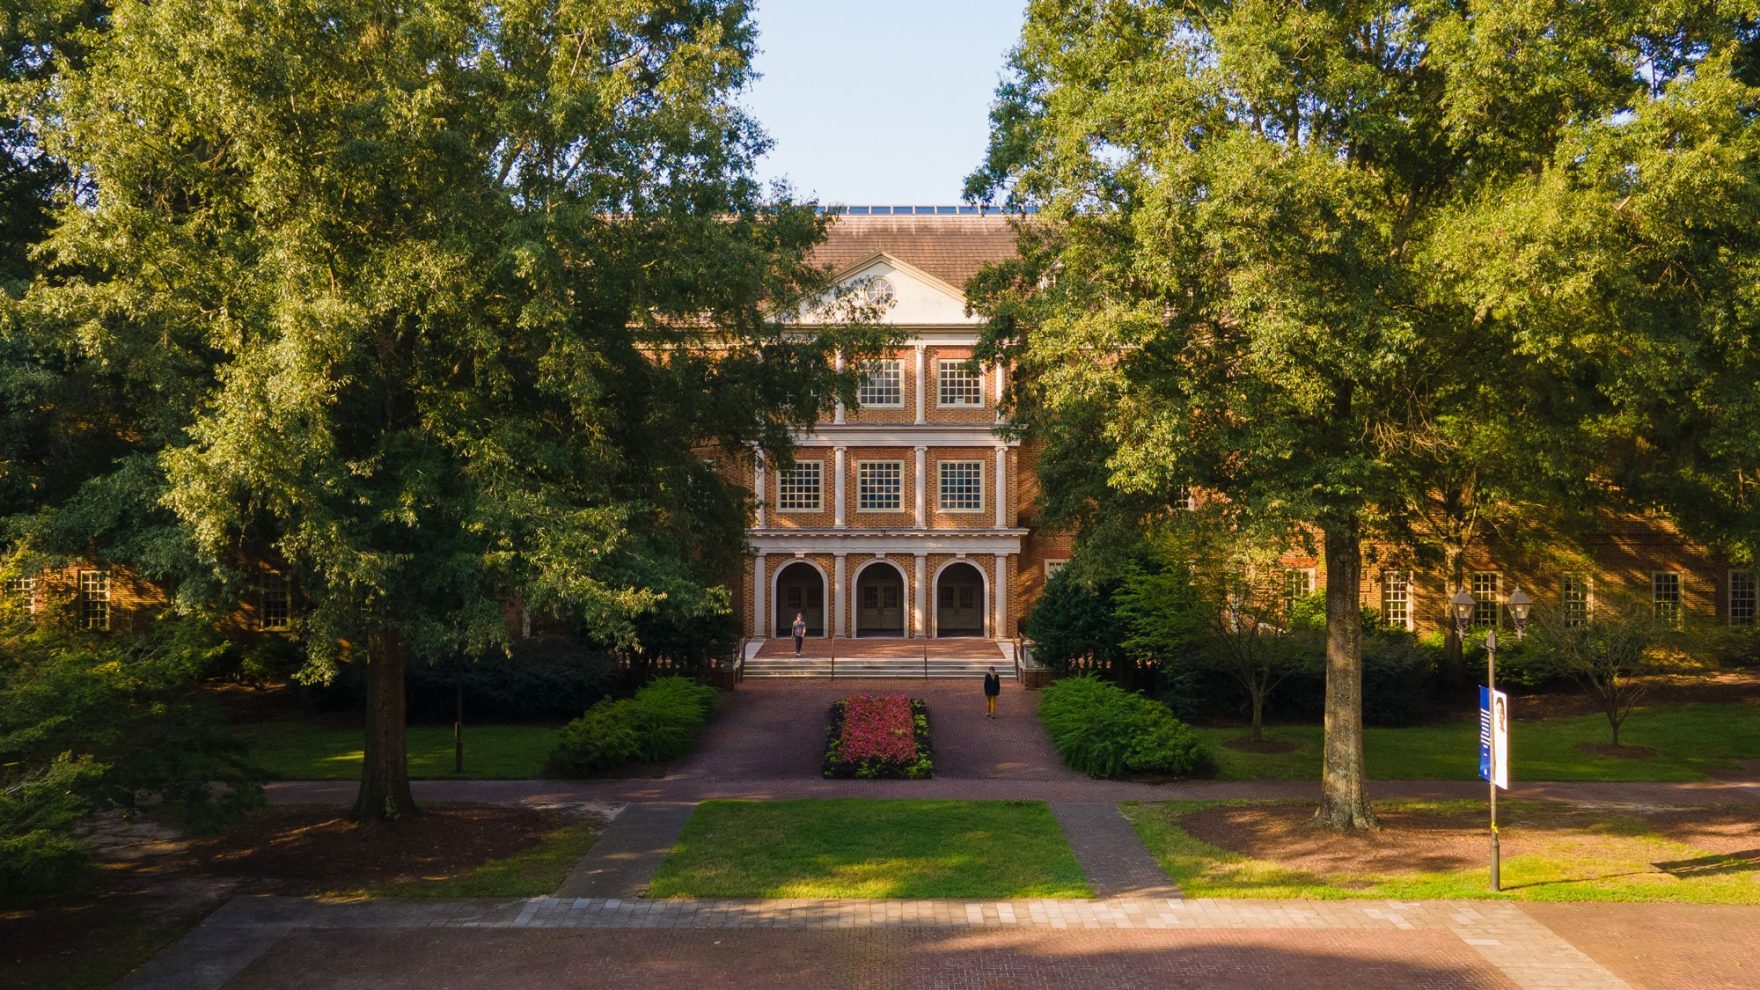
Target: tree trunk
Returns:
[[1454, 663], [384, 795], [1344, 804], [1258, 732]]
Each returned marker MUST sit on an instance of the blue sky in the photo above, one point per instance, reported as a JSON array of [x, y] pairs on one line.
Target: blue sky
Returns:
[[879, 102]]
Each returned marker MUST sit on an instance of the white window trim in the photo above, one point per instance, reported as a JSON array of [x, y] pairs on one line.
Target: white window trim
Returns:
[[263, 624], [1729, 585], [26, 588], [81, 578], [1680, 593], [940, 492], [818, 489], [941, 367], [901, 485], [1496, 599], [1054, 564], [1411, 593], [901, 389]]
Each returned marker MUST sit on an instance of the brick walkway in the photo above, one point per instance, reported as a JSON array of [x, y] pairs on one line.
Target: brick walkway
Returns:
[[623, 860], [269, 942], [1112, 857]]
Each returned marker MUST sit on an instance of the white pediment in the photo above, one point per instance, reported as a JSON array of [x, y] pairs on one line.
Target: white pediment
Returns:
[[912, 297]]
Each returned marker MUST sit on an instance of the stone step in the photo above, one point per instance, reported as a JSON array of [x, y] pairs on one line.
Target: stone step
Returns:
[[873, 667]]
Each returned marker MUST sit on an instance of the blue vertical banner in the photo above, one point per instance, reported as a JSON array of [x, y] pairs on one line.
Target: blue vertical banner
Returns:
[[1484, 732]]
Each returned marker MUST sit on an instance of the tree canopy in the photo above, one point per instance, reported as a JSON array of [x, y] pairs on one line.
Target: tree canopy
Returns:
[[442, 306], [1317, 259]]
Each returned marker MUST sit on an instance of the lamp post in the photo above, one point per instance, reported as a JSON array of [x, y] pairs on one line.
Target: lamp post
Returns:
[[1464, 604]]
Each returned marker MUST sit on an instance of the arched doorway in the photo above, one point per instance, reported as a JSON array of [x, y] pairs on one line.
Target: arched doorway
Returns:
[[959, 601], [800, 588], [880, 600]]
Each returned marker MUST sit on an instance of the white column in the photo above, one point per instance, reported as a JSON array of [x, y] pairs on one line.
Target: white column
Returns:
[[999, 391], [841, 460], [923, 383], [1001, 487], [838, 416], [839, 628], [758, 487], [760, 585], [922, 617], [999, 588], [922, 519]]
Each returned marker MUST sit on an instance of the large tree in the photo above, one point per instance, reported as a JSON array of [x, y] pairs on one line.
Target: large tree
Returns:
[[1256, 266], [460, 293]]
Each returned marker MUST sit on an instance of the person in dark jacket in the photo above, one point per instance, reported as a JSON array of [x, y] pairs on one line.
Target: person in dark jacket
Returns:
[[992, 688], [800, 632]]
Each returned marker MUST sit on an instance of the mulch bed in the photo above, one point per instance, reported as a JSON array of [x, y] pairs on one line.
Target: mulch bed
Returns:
[[1411, 842], [295, 846], [1727, 687]]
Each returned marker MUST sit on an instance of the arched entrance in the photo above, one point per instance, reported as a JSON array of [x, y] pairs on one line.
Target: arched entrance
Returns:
[[959, 601], [800, 588], [880, 600]]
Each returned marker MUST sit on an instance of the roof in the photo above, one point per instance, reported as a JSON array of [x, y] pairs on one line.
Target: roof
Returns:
[[951, 248]]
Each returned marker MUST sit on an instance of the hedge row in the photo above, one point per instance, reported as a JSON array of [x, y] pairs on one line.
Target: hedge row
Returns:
[[1105, 731], [661, 722]]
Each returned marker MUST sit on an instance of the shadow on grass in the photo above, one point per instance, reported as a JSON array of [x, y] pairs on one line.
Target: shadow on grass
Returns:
[[1746, 861]]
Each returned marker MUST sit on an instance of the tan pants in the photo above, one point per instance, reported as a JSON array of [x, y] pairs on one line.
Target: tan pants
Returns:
[[989, 704]]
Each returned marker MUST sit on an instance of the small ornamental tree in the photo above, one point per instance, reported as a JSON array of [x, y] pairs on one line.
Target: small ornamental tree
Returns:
[[1617, 654]]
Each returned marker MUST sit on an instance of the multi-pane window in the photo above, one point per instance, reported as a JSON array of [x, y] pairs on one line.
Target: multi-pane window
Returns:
[[1742, 598], [958, 385], [94, 599], [1298, 583], [884, 384], [1184, 499], [1665, 595], [879, 486], [1396, 599], [1573, 599], [962, 486], [275, 602], [797, 488], [1053, 566], [1486, 588], [23, 590]]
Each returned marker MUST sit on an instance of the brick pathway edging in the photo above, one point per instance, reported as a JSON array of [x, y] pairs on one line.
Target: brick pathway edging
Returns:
[[1113, 858], [1525, 951]]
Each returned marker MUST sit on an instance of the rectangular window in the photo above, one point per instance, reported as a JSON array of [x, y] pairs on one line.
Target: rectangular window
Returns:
[[1184, 499], [1742, 598], [1396, 599], [879, 486], [797, 489], [958, 384], [94, 599], [1573, 599], [1298, 583], [1665, 594], [23, 590], [1487, 588], [275, 602], [1053, 566], [883, 386], [962, 486]]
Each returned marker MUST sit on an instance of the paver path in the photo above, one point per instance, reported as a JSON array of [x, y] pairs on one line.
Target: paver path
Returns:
[[285, 942], [1112, 857], [623, 860]]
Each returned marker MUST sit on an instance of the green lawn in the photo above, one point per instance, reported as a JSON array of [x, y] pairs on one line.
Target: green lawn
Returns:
[[1690, 741], [307, 751], [1550, 853], [871, 848]]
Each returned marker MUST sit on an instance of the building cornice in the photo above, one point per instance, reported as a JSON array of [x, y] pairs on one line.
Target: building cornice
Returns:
[[905, 542], [903, 435]]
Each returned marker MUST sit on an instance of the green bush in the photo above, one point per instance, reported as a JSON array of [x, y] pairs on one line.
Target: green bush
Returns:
[[38, 855], [661, 722], [1104, 731]]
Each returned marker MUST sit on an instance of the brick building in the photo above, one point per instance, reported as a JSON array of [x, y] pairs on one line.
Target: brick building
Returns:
[[911, 517]]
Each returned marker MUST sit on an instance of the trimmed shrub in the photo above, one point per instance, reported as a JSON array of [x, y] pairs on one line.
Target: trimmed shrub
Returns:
[[873, 736], [661, 722], [1104, 731]]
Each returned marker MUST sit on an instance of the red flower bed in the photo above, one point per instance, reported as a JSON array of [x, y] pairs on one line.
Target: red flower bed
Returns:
[[879, 735], [878, 727]]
